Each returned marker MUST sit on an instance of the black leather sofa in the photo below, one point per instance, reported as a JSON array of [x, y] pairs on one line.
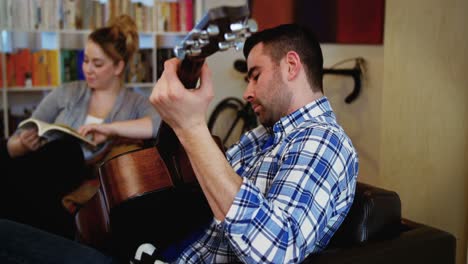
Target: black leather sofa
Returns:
[[374, 232]]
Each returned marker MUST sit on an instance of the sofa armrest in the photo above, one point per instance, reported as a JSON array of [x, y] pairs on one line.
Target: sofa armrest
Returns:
[[418, 244]]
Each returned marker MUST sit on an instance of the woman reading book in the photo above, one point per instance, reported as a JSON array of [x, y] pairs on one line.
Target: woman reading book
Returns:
[[39, 174]]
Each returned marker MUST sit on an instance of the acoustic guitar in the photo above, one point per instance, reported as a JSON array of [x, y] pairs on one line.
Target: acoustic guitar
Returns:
[[151, 195]]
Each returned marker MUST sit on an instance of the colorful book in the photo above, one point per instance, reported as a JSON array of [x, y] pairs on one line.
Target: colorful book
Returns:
[[163, 15], [79, 63], [10, 70], [39, 60], [186, 15], [52, 68], [1, 70], [23, 66], [174, 25]]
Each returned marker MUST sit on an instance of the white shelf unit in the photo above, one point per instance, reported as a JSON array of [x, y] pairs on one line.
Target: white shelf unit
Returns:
[[16, 99]]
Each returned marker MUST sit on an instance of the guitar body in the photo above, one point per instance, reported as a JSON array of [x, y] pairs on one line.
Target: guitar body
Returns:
[[92, 223], [144, 204], [141, 201], [151, 195]]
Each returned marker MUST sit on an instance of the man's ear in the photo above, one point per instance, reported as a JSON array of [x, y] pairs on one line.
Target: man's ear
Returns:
[[119, 68], [294, 64]]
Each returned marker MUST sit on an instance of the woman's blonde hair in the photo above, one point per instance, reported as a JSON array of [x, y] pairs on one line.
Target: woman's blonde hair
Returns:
[[119, 39]]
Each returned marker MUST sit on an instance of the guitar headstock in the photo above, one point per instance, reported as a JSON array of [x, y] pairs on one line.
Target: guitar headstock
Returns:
[[219, 29]]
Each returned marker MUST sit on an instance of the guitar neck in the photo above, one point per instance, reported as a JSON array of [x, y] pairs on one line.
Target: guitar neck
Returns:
[[220, 29], [190, 70]]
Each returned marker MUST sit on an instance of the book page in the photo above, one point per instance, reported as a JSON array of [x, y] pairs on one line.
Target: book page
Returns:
[[53, 131]]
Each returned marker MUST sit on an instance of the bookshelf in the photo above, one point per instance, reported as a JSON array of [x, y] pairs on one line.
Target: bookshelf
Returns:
[[54, 32]]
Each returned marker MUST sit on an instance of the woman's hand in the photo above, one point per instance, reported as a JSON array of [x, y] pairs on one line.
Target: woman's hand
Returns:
[[100, 132], [27, 141]]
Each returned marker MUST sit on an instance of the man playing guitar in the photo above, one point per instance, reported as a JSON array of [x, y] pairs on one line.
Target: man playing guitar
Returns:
[[287, 185], [284, 188]]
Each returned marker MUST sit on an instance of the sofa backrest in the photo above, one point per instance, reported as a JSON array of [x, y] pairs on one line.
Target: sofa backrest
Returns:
[[375, 214]]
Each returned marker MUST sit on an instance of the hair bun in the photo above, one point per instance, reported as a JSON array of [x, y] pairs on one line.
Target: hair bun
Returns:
[[125, 25]]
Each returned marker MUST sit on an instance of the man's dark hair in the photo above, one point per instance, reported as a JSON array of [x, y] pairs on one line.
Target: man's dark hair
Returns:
[[281, 39]]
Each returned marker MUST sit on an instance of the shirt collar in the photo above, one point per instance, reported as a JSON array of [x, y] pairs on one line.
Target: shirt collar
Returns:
[[311, 111]]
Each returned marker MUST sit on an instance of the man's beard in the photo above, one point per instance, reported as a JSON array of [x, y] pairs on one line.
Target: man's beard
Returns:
[[277, 103]]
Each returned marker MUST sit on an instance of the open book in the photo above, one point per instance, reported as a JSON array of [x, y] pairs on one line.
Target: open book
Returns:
[[53, 131]]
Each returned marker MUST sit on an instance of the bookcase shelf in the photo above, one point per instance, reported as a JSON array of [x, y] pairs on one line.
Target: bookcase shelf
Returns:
[[22, 89], [66, 31]]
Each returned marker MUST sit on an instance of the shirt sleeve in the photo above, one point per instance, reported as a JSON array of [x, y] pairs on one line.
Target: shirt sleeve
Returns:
[[288, 222], [146, 109], [49, 107]]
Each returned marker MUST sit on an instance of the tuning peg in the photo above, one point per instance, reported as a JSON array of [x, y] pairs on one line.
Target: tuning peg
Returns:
[[236, 27], [230, 36], [195, 51], [252, 25], [203, 42], [189, 42], [213, 30], [224, 45], [246, 34], [180, 52], [239, 45], [204, 34], [195, 33]]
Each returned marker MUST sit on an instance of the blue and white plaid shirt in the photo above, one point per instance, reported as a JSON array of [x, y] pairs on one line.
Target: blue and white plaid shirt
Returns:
[[298, 184]]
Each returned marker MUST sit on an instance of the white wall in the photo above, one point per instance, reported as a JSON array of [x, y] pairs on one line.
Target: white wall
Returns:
[[361, 118], [424, 126], [227, 81]]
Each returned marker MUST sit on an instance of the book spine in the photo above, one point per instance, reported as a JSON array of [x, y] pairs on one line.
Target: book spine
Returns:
[[139, 15], [40, 68], [189, 15], [52, 68], [163, 16], [10, 68], [3, 14], [174, 25], [79, 62], [23, 66], [1, 71], [182, 15]]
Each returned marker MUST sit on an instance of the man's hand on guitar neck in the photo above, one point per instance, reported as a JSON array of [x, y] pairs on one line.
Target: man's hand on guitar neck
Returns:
[[181, 108], [185, 110]]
